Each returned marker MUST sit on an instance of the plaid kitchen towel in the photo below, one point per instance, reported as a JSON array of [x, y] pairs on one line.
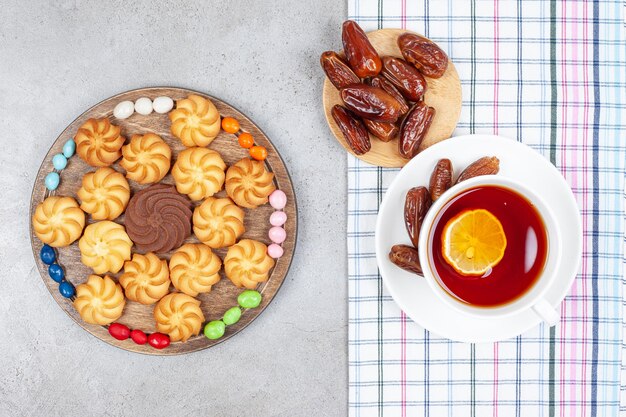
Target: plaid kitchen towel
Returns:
[[553, 75]]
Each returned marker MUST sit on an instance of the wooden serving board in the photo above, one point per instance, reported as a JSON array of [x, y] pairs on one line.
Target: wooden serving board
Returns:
[[444, 94], [224, 293]]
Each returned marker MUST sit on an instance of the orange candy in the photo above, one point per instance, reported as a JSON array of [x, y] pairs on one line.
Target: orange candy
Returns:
[[230, 125], [246, 140], [258, 152]]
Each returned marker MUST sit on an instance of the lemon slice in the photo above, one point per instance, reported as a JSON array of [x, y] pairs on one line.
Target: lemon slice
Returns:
[[473, 242]]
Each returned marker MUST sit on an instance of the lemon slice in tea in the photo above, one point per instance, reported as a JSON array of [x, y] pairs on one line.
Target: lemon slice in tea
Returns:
[[473, 242]]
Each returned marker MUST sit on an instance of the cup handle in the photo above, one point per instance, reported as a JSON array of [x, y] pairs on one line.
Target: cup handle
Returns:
[[547, 313]]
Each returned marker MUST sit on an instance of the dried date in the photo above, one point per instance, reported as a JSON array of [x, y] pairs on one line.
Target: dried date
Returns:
[[337, 71], [383, 131], [424, 54], [405, 77], [386, 85], [487, 165], [406, 257], [414, 129], [441, 178], [416, 205], [371, 103], [360, 53], [353, 130]]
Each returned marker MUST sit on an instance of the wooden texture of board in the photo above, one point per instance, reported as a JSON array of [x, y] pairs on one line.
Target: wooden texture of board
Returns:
[[444, 94], [224, 293]]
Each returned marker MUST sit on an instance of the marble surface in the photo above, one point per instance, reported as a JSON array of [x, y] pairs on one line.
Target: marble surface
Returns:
[[59, 57]]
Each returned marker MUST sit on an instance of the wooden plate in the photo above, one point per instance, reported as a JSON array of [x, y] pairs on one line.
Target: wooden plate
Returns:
[[224, 293], [444, 94]]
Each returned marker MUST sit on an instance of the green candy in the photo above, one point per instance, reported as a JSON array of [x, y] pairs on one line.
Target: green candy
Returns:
[[232, 316], [214, 329], [249, 299]]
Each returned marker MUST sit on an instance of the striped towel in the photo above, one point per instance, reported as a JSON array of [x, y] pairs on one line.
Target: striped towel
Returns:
[[553, 75]]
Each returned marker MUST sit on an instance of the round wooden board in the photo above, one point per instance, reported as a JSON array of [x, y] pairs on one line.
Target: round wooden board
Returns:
[[444, 94], [224, 293]]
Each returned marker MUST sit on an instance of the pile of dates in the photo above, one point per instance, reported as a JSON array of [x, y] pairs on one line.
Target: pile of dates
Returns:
[[383, 96], [419, 199]]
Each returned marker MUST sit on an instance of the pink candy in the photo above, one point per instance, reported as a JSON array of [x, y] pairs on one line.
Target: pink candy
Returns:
[[275, 251], [278, 200], [277, 234], [278, 218]]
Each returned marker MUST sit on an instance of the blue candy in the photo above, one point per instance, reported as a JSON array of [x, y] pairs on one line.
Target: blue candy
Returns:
[[66, 289], [59, 161], [52, 181], [47, 255], [56, 272], [69, 148]]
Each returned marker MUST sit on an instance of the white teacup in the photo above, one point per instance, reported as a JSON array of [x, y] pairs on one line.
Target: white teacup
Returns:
[[533, 298]]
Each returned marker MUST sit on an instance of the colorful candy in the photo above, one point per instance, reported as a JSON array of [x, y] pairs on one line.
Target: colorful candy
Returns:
[[143, 106], [56, 272], [124, 110], [249, 299], [59, 161], [230, 125], [47, 255], [232, 316], [69, 148], [52, 181], [277, 234], [66, 289], [246, 140], [258, 152], [159, 340], [278, 218], [214, 329], [162, 104], [278, 199], [139, 337], [275, 251], [119, 331]]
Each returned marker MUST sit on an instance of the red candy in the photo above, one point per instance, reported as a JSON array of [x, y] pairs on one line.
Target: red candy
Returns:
[[139, 337], [119, 331], [159, 340]]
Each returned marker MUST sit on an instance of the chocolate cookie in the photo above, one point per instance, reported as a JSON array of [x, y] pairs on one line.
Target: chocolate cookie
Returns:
[[158, 218]]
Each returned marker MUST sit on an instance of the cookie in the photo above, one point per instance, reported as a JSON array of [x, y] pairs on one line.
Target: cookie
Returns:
[[195, 121], [104, 247], [99, 300], [179, 316], [194, 269], [199, 173], [146, 278], [218, 222], [158, 219], [58, 221], [248, 183], [98, 142], [104, 194], [146, 158], [247, 263]]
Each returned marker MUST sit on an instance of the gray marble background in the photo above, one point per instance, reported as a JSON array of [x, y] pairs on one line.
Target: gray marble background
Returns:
[[57, 58]]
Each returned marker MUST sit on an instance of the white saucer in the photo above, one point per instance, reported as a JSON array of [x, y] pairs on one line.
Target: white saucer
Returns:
[[517, 161]]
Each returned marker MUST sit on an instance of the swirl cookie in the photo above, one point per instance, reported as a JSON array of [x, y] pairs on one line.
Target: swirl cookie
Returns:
[[247, 263], [104, 194], [195, 121], [249, 184], [99, 300], [194, 269], [146, 158], [199, 173], [158, 219], [146, 279], [179, 316], [58, 221], [104, 247], [98, 142], [218, 222]]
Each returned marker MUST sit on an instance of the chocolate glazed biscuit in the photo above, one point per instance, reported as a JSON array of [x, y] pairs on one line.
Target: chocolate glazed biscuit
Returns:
[[158, 218]]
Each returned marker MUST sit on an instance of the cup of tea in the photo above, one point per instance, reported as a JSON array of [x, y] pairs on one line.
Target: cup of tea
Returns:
[[490, 247]]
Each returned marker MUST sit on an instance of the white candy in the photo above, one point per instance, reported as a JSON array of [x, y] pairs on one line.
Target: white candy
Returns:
[[143, 106], [163, 104], [124, 110]]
